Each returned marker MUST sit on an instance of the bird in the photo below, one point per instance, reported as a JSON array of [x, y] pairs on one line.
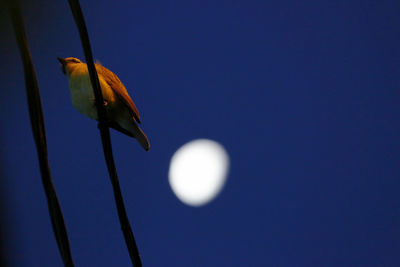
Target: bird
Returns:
[[121, 113]]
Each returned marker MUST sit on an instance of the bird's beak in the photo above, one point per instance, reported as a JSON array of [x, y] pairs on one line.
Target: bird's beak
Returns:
[[63, 63]]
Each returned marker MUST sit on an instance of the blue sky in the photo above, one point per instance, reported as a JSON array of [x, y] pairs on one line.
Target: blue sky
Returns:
[[303, 96]]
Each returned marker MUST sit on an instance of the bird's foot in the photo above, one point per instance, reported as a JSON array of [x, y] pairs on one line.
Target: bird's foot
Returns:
[[105, 102]]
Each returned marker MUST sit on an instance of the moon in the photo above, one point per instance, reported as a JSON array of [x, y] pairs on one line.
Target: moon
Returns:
[[198, 171]]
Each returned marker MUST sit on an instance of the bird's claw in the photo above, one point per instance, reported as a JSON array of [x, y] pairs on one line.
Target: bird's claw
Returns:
[[105, 102]]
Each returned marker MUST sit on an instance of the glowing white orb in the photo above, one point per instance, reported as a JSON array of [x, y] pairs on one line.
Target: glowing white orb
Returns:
[[198, 171]]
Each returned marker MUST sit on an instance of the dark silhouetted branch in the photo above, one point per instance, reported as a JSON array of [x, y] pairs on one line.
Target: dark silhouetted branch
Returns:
[[105, 134], [37, 122]]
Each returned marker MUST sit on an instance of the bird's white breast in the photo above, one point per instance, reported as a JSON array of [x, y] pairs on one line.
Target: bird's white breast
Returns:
[[82, 94]]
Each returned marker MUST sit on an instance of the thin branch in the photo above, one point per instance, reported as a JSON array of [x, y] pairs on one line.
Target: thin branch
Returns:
[[37, 123], [105, 134]]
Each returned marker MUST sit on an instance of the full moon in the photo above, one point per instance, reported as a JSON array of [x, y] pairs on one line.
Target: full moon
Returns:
[[198, 171]]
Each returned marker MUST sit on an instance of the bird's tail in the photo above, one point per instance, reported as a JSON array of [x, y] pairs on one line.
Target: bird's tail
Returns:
[[142, 138], [133, 130]]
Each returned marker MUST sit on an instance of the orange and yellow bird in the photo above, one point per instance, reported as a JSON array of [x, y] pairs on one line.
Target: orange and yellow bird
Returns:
[[121, 112]]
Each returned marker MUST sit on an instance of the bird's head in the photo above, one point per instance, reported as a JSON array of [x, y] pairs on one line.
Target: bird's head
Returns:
[[68, 63]]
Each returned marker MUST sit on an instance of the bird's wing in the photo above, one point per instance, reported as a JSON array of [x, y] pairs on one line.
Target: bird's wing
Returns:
[[119, 89]]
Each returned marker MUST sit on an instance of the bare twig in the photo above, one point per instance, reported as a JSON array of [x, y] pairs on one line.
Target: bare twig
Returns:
[[105, 134], [37, 123]]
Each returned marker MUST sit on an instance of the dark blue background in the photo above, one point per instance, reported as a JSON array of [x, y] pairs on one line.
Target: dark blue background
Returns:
[[303, 95]]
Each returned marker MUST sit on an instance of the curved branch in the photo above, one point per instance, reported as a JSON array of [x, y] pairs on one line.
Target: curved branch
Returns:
[[105, 134], [38, 129]]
